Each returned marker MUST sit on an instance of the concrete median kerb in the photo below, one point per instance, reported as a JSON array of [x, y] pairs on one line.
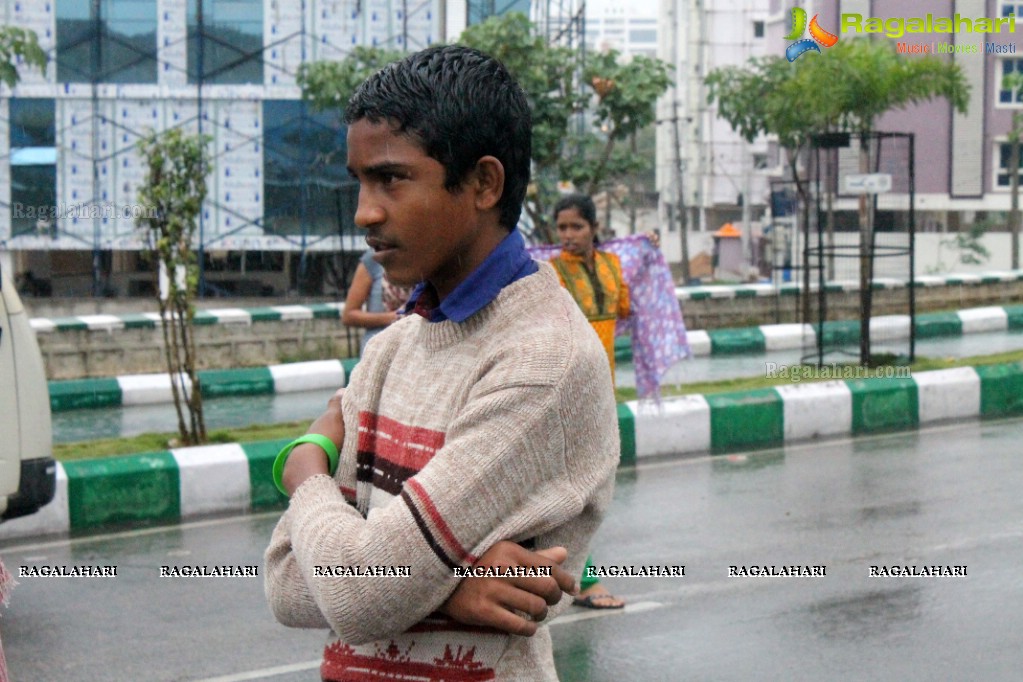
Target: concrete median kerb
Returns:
[[174, 485], [138, 389]]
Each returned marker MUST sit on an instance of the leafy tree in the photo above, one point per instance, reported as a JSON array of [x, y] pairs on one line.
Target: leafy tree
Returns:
[[846, 88], [547, 74], [626, 94], [758, 100], [559, 87], [172, 197], [329, 85], [18, 44], [862, 80]]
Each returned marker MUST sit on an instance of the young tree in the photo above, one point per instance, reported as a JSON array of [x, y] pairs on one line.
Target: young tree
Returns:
[[172, 196], [846, 88], [863, 79], [763, 98], [626, 93]]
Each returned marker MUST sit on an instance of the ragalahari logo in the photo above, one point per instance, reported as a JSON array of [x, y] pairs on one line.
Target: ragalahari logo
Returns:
[[817, 36]]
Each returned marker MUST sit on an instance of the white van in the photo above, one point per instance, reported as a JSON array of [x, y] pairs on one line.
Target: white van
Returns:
[[28, 474]]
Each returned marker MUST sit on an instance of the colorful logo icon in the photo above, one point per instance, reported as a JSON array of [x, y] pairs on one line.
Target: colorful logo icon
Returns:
[[817, 36]]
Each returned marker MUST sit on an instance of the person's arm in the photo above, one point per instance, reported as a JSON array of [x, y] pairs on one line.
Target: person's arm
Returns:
[[358, 294], [305, 461], [483, 601], [308, 459], [511, 437], [492, 602]]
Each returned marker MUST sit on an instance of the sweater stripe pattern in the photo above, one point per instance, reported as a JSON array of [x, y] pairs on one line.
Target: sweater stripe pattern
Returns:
[[457, 435]]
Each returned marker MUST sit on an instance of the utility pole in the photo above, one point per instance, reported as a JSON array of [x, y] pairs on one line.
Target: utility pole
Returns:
[[680, 202], [676, 34]]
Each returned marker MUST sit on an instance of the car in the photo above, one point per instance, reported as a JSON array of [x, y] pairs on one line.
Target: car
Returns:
[[28, 472]]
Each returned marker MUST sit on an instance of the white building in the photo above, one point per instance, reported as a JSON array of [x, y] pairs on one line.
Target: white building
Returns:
[[630, 28], [717, 166]]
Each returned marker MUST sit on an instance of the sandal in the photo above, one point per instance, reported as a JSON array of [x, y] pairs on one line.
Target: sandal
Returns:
[[591, 602]]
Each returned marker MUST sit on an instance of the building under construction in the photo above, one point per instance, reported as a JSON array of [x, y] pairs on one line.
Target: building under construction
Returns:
[[280, 202]]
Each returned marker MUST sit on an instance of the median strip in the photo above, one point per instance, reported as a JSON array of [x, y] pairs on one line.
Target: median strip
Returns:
[[162, 487]]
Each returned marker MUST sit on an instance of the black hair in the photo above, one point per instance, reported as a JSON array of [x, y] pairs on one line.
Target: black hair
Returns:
[[460, 105], [580, 202]]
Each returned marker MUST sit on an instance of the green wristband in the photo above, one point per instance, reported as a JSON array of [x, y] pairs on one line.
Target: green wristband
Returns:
[[282, 456]]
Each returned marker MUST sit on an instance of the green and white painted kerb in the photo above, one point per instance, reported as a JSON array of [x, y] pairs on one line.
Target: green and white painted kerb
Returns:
[[277, 313], [698, 293], [727, 422], [156, 488], [144, 389], [185, 483], [770, 337]]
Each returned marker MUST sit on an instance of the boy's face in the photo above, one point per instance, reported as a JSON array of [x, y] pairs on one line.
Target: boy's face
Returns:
[[418, 229]]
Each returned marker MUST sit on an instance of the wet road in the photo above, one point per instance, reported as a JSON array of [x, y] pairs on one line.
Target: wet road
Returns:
[[948, 496], [227, 412]]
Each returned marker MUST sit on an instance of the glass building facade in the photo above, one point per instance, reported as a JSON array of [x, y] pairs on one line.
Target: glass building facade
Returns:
[[106, 41], [122, 69]]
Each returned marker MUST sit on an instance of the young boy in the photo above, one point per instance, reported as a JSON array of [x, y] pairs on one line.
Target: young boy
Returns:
[[479, 427]]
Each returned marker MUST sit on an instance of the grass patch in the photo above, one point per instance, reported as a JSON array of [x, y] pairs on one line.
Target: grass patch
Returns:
[[152, 442], [922, 364]]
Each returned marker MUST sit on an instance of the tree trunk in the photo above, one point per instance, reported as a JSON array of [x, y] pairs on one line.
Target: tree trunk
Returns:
[[169, 346], [598, 174], [804, 296], [865, 255]]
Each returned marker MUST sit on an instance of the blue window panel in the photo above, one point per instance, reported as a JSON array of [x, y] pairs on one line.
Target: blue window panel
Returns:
[[33, 198], [305, 185], [31, 121], [124, 33], [231, 37]]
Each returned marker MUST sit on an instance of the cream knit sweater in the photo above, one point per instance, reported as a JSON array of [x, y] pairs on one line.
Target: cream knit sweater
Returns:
[[503, 427]]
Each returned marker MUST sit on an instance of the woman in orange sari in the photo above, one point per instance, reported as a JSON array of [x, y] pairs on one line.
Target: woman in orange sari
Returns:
[[594, 278]]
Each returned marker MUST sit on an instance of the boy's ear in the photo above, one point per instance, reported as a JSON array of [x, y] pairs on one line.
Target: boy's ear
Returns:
[[488, 182]]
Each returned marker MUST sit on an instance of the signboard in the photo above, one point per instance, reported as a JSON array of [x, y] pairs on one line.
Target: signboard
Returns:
[[868, 183]]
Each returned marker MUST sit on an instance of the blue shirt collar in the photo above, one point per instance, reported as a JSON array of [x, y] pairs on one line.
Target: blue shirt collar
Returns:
[[507, 263]]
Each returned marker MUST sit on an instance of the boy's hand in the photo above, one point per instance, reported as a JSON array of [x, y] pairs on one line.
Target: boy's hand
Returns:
[[309, 459], [493, 602]]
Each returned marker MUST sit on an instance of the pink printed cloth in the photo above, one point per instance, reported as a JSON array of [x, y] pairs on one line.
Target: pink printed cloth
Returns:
[[656, 326]]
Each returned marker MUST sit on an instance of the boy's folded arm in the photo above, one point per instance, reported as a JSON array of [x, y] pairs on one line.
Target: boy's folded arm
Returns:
[[501, 473], [286, 591]]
